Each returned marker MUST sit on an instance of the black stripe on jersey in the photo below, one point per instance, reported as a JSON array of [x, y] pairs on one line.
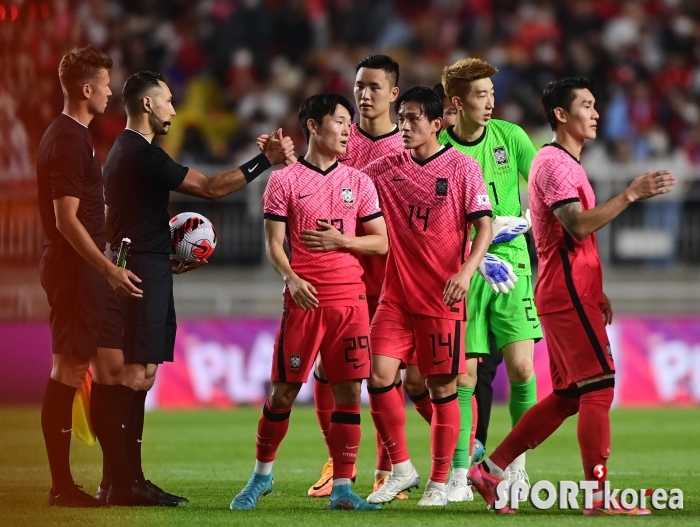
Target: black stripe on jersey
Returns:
[[281, 372], [557, 145], [316, 169], [379, 137], [456, 351], [431, 158], [371, 217], [479, 214], [275, 217], [578, 306], [569, 241], [460, 141], [465, 240], [562, 202]]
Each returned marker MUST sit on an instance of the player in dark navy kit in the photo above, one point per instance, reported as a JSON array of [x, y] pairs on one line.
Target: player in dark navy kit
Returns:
[[138, 179], [74, 271]]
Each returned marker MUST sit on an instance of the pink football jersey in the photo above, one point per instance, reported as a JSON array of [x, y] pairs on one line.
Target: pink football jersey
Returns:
[[301, 194], [428, 207], [570, 272]]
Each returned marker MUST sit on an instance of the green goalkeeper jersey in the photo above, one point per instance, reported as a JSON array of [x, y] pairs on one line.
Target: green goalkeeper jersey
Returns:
[[502, 151]]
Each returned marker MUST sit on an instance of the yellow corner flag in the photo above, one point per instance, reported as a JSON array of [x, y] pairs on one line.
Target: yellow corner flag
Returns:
[[82, 427]]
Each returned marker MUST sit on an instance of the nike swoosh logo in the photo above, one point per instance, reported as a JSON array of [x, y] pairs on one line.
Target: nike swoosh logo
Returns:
[[138, 440], [302, 196], [318, 487], [398, 179], [123, 426], [253, 168], [360, 366], [66, 431], [535, 326], [436, 362], [351, 447]]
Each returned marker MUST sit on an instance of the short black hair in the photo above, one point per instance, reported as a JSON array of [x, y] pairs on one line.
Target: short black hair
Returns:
[[136, 87], [318, 106], [560, 94], [440, 90], [384, 63], [430, 102]]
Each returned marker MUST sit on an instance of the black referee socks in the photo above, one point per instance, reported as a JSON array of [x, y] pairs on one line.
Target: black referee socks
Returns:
[[56, 424]]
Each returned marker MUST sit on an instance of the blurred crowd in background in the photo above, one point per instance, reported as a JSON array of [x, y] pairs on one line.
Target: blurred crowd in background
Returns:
[[238, 68]]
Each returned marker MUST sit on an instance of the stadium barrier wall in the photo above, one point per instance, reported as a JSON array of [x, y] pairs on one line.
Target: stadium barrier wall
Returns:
[[225, 362]]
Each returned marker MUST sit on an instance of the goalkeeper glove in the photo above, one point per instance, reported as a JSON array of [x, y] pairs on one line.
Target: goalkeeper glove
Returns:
[[505, 228], [498, 273]]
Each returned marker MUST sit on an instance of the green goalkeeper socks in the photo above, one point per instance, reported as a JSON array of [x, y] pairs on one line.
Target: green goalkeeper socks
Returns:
[[461, 456], [523, 395]]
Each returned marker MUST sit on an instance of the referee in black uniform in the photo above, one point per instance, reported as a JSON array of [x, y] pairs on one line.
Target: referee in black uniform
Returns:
[[74, 272], [139, 177]]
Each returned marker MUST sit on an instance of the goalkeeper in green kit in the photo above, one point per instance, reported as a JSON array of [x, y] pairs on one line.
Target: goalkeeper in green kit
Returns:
[[500, 301]]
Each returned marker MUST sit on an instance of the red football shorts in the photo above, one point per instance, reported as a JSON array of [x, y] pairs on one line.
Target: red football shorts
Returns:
[[578, 345], [339, 334], [435, 344]]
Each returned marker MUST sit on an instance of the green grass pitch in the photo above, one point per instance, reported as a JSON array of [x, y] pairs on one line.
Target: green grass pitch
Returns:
[[208, 456]]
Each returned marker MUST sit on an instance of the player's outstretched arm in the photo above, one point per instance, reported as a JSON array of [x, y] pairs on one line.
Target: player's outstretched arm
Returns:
[[327, 238], [302, 291], [277, 150], [68, 224], [580, 223], [457, 286]]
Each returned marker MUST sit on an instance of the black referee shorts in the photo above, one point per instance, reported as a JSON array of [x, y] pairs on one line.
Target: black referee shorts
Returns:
[[77, 294], [149, 323], [111, 332]]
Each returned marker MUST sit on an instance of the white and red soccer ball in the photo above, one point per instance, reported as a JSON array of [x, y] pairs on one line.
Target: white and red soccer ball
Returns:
[[192, 236]]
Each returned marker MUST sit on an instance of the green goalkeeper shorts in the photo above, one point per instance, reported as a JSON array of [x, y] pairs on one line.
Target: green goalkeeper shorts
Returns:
[[509, 317]]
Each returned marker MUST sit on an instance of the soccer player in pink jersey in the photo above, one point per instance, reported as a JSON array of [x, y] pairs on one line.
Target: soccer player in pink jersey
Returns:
[[430, 195], [376, 88], [319, 201], [569, 293]]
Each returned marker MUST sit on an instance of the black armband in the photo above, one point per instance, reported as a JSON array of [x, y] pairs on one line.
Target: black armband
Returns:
[[256, 166]]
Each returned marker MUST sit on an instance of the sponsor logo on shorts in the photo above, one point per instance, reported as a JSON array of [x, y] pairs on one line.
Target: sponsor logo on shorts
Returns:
[[295, 362], [500, 155], [438, 362]]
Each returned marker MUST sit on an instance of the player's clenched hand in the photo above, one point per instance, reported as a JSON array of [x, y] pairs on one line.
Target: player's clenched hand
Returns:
[[303, 293], [183, 267], [326, 238], [456, 288], [606, 308], [262, 141], [651, 184], [277, 149], [122, 280]]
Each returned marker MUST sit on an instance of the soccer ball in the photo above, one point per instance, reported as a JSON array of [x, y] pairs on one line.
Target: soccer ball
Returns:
[[192, 237], [479, 452]]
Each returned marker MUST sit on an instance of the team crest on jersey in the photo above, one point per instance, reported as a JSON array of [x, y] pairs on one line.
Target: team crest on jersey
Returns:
[[499, 153], [348, 196], [295, 362], [441, 186], [482, 199]]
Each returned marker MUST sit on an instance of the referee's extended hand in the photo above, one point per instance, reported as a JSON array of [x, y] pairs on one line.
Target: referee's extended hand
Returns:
[[277, 149], [122, 280]]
